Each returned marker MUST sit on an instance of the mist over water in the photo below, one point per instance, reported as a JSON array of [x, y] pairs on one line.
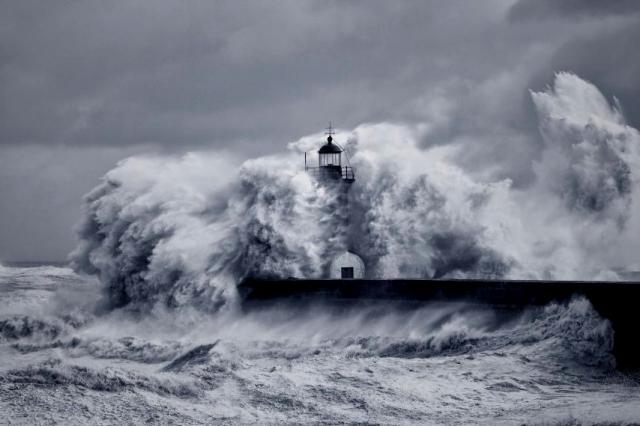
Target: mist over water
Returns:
[[184, 231]]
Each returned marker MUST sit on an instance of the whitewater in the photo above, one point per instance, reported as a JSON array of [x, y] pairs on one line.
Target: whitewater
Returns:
[[146, 324]]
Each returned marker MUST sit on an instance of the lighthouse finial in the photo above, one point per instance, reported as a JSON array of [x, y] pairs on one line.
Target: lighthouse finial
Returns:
[[330, 131]]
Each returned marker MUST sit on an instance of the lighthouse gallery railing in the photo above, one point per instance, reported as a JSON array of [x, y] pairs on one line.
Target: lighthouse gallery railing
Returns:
[[346, 173]]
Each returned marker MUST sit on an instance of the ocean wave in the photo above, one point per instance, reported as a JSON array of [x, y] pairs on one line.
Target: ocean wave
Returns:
[[568, 333], [46, 328], [184, 232], [54, 373]]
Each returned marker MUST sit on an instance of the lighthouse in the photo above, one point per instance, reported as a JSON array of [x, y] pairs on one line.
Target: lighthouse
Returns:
[[331, 164], [335, 171]]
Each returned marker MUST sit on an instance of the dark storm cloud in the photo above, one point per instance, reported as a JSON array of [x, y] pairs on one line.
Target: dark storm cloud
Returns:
[[611, 61], [202, 73], [606, 55], [541, 9], [179, 74]]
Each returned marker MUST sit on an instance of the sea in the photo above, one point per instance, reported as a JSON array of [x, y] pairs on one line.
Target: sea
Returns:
[[65, 358]]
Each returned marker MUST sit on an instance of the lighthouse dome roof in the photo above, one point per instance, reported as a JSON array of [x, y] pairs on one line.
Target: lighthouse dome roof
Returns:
[[330, 147]]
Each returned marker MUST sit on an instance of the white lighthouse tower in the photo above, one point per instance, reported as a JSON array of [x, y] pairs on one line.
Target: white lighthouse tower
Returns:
[[335, 170]]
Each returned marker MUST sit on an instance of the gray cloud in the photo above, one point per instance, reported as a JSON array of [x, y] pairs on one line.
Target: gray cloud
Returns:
[[40, 193], [610, 60], [544, 9], [208, 73]]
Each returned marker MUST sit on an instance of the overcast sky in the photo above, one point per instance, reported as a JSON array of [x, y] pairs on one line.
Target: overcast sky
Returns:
[[86, 83]]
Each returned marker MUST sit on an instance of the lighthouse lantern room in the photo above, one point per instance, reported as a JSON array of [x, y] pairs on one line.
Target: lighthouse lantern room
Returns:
[[329, 154], [330, 162]]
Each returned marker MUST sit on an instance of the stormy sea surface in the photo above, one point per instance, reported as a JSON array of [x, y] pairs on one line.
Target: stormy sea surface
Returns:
[[66, 360]]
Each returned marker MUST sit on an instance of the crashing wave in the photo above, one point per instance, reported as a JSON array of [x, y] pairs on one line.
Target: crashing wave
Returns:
[[54, 373], [184, 232], [567, 333]]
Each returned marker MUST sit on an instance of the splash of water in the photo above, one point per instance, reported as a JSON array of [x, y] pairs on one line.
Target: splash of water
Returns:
[[183, 232]]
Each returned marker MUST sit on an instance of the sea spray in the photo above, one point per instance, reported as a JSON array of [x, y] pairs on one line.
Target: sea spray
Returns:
[[183, 244], [184, 231]]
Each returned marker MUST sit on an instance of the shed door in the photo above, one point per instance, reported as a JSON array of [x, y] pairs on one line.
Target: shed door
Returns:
[[347, 272]]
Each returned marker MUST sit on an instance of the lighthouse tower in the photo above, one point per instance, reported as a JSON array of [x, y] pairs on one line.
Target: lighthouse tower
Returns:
[[334, 170]]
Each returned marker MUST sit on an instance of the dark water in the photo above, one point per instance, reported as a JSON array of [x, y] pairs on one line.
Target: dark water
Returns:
[[34, 263]]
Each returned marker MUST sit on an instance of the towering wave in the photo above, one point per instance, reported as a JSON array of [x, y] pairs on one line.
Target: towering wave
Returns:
[[185, 231]]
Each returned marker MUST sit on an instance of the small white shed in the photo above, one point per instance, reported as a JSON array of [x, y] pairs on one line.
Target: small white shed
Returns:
[[347, 266]]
